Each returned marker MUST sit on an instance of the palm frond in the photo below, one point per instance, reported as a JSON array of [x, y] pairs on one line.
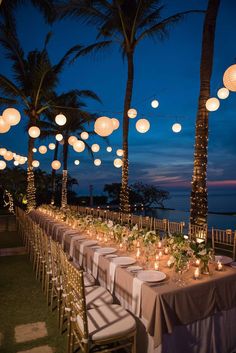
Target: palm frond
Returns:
[[11, 90], [91, 49], [4, 100]]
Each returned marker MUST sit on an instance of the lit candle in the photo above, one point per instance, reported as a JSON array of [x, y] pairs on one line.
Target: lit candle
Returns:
[[169, 263], [166, 251], [157, 257], [219, 266], [160, 254], [138, 244], [138, 253], [121, 245], [197, 262], [159, 245], [156, 265], [197, 273]]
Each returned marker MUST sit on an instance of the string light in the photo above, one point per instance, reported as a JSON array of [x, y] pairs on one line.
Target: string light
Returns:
[[64, 189], [95, 148], [76, 162], [31, 202], [109, 149], [97, 162]]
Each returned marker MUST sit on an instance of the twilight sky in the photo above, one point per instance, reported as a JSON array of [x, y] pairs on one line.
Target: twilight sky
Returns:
[[168, 71]]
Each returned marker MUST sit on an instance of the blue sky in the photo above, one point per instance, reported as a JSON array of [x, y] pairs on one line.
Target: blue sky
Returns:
[[167, 70]]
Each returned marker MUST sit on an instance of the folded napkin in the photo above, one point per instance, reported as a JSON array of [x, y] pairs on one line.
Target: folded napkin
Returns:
[[112, 272], [72, 243], [136, 296], [95, 263], [68, 232], [81, 250]]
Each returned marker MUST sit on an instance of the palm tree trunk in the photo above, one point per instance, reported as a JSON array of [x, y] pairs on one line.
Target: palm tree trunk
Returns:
[[31, 190], [199, 200], [124, 195], [53, 175], [64, 174]]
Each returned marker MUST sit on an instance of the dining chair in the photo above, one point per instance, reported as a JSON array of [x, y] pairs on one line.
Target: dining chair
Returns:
[[224, 240], [198, 233], [175, 227]]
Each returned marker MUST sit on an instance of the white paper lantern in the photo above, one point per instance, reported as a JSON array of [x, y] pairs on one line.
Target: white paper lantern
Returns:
[[4, 126], [11, 116], [16, 163], [109, 149], [95, 147], [120, 152], [115, 123], [8, 156], [59, 137], [34, 150], [2, 151], [79, 146], [229, 78], [35, 164], [154, 103], [142, 125], [17, 157], [97, 162], [72, 140], [34, 132], [212, 104], [103, 126], [60, 119], [52, 146], [25, 159], [77, 162], [2, 165], [56, 165], [22, 160], [223, 93], [118, 163], [132, 113], [43, 149], [84, 135], [176, 127]]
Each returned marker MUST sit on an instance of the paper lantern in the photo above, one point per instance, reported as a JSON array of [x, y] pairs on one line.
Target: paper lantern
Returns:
[[120, 152], [84, 135], [34, 132], [34, 150], [118, 163], [25, 159], [56, 165], [11, 116], [2, 151], [4, 126], [95, 147], [229, 78], [142, 125], [212, 104], [59, 137], [77, 162], [79, 146], [115, 123], [176, 127], [97, 162], [132, 113], [17, 157], [109, 149], [35, 164], [223, 93], [8, 156], [103, 126], [60, 119], [154, 103], [43, 149], [22, 160], [72, 140], [2, 165], [16, 163], [52, 146]]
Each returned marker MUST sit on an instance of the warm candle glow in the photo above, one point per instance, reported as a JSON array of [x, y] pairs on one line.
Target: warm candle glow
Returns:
[[197, 273], [156, 265], [197, 262], [219, 266]]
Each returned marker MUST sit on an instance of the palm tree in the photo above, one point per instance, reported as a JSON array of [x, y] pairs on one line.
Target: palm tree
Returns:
[[199, 202], [125, 23], [35, 79]]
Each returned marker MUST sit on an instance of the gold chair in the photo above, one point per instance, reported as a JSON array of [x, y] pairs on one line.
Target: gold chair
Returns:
[[224, 240], [175, 227], [198, 233]]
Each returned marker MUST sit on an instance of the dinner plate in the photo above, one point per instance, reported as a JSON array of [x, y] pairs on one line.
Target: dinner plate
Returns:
[[225, 260], [134, 268], [110, 256], [105, 251], [89, 242], [124, 260], [233, 264], [151, 276]]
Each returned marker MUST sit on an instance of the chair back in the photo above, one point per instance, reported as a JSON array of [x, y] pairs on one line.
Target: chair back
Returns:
[[175, 227], [224, 240], [198, 233]]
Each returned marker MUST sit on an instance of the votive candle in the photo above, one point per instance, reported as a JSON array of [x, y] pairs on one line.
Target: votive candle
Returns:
[[197, 273]]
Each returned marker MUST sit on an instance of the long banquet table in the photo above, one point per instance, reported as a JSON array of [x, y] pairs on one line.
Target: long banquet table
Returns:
[[199, 317]]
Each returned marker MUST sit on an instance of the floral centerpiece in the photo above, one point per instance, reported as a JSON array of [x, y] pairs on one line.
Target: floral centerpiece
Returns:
[[204, 253], [119, 232], [149, 239], [132, 236], [181, 252]]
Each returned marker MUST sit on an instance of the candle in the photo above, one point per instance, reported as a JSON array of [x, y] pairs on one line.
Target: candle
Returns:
[[157, 257], [138, 253], [138, 244], [121, 245], [219, 266], [156, 265], [197, 262], [196, 273], [160, 254], [166, 251], [159, 245], [169, 263]]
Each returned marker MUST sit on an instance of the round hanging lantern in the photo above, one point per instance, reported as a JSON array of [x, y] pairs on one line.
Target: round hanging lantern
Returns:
[[72, 140], [115, 123], [142, 125], [120, 152], [77, 162], [16, 163], [2, 151], [154, 103], [59, 137], [132, 113], [25, 159], [34, 150], [4, 126], [97, 162], [11, 116], [79, 146], [2, 165], [22, 160], [223, 93], [229, 78], [103, 126], [60, 119], [35, 164], [176, 127], [17, 157], [8, 156], [34, 132], [95, 147], [212, 104], [56, 165], [52, 146], [84, 135], [109, 149], [118, 162], [43, 149]]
